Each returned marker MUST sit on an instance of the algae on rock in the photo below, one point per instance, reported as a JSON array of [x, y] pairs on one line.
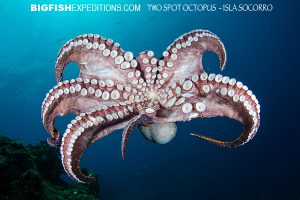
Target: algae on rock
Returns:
[[33, 172]]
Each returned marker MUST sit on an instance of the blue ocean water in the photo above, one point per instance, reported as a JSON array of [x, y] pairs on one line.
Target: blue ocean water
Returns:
[[262, 52]]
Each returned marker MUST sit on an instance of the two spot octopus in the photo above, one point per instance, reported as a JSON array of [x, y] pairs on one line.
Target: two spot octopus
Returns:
[[116, 90]]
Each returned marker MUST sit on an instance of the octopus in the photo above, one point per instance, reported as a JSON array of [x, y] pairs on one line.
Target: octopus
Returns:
[[117, 90]]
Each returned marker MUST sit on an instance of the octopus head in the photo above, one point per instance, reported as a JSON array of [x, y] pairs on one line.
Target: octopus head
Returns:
[[159, 133]]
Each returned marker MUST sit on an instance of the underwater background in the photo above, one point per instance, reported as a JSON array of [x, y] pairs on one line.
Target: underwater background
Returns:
[[263, 52]]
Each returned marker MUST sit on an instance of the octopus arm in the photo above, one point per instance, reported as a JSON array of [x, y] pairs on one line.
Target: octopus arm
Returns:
[[235, 111], [88, 128], [97, 57], [183, 57], [77, 96], [134, 122], [217, 96]]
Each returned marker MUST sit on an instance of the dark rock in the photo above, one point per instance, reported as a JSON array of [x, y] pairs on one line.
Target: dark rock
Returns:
[[34, 171]]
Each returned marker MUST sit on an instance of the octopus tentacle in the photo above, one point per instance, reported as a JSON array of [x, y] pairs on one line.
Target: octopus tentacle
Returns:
[[138, 120], [250, 129], [97, 57], [228, 97], [183, 58], [54, 141], [85, 129], [216, 96], [80, 95], [128, 107]]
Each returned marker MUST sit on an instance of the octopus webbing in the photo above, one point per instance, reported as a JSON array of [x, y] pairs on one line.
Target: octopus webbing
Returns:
[[116, 90]]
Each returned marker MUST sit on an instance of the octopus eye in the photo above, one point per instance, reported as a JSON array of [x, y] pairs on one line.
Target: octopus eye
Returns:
[[159, 133]]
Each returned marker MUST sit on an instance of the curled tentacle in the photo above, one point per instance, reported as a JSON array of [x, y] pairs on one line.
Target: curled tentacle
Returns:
[[54, 141], [86, 129], [214, 95], [77, 96], [183, 58], [138, 120], [97, 57], [249, 121], [230, 98]]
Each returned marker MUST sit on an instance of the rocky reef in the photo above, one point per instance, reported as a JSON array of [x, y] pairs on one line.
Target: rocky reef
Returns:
[[34, 172]]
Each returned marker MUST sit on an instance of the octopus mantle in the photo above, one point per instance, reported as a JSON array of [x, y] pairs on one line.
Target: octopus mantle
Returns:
[[116, 90]]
